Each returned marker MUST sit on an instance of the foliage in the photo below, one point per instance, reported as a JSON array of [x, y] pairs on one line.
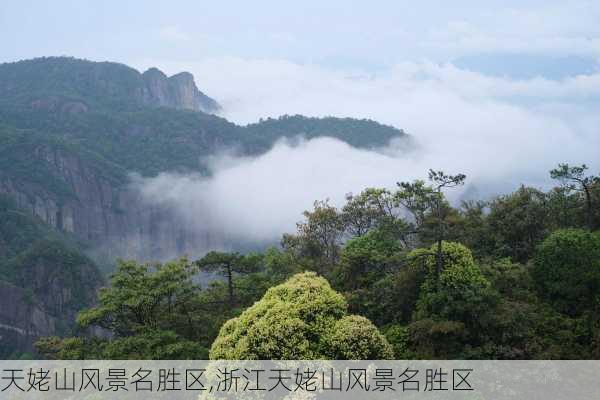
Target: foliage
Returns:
[[573, 178], [455, 306], [567, 270], [399, 338], [459, 284], [298, 319], [366, 258], [228, 265], [518, 223], [355, 338], [319, 237], [149, 345], [50, 266], [358, 133], [142, 296]]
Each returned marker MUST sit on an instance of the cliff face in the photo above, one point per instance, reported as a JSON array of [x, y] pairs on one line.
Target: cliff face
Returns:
[[178, 91], [45, 287], [112, 219], [21, 320]]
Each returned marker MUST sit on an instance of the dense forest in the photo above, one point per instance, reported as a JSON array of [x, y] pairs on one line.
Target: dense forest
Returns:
[[392, 274]]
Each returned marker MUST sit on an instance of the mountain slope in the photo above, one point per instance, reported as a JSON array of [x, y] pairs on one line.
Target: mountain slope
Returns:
[[70, 85], [44, 280], [72, 130]]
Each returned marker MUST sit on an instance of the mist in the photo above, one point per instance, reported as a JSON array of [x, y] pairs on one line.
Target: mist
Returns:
[[500, 132]]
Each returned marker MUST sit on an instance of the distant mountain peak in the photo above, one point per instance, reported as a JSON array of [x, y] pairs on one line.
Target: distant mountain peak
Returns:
[[50, 82], [178, 91]]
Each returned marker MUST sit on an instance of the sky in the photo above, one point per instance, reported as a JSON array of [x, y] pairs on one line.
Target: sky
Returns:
[[499, 90], [370, 36]]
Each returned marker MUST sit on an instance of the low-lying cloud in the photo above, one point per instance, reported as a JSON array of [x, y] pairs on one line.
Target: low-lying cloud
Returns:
[[500, 132]]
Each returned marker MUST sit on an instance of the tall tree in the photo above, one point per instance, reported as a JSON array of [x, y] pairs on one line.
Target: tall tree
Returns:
[[319, 236], [518, 222], [573, 178], [375, 209], [228, 265], [421, 199], [442, 181]]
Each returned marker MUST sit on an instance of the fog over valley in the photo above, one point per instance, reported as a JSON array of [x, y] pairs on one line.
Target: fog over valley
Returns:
[[500, 132]]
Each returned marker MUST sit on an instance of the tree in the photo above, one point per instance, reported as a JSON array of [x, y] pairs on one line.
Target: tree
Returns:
[[147, 345], [355, 338], [144, 296], [319, 237], [365, 259], [360, 214], [420, 200], [391, 299], [150, 311], [455, 307], [228, 265], [472, 229], [299, 319], [460, 284], [373, 208], [518, 222], [567, 270], [442, 181], [574, 179]]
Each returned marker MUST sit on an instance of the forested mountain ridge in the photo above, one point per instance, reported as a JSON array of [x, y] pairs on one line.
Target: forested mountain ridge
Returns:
[[71, 132], [73, 129], [102, 107], [71, 85]]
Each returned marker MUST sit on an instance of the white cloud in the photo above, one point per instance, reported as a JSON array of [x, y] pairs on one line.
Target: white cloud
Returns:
[[463, 122], [565, 28]]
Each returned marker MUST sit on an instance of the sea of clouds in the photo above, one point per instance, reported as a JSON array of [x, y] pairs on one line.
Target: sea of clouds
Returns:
[[499, 131]]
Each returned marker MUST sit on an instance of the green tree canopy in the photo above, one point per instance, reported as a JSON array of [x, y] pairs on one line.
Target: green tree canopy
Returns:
[[567, 270], [455, 307], [303, 318], [518, 222], [150, 311]]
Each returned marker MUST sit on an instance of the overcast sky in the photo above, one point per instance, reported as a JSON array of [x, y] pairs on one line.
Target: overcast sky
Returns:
[[367, 35]]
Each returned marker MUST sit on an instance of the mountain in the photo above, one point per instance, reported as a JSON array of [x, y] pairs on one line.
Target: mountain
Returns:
[[44, 280], [69, 85], [72, 130], [71, 133]]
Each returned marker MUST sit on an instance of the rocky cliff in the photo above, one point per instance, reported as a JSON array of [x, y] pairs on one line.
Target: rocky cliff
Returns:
[[44, 280], [111, 217], [22, 321], [177, 91]]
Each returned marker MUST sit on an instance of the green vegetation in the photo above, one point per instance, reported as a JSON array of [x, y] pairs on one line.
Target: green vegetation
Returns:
[[302, 318], [392, 273], [146, 309], [567, 270], [50, 268], [443, 282], [109, 124], [350, 130]]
